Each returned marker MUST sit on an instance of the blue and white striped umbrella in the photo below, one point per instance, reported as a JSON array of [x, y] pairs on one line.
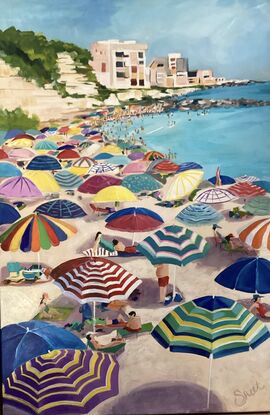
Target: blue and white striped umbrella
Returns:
[[100, 168], [62, 209]]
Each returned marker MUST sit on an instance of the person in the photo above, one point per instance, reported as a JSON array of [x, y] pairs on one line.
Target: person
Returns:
[[259, 307], [98, 346], [132, 324], [162, 273], [86, 313], [120, 247], [45, 311], [101, 242]]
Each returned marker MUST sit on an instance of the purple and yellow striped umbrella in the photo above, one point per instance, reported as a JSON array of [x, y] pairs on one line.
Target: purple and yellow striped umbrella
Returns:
[[35, 232], [62, 381]]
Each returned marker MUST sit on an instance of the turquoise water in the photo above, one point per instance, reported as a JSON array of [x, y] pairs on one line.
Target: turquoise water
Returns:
[[236, 139]]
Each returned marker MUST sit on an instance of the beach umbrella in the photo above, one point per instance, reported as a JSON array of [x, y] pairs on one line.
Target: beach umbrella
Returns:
[[199, 214], [44, 181], [257, 234], [21, 154], [137, 155], [163, 166], [68, 180], [51, 130], [224, 180], [66, 147], [188, 165], [100, 168], [68, 155], [19, 187], [210, 326], [46, 145], [136, 167], [114, 194], [246, 178], [63, 382], [8, 214], [112, 149], [23, 341], [12, 133], [246, 189], [215, 195], [137, 183], [78, 137], [96, 183], [9, 170], [83, 162], [35, 232], [153, 155], [103, 156], [41, 137], [89, 149], [63, 130], [3, 154], [119, 160], [174, 245], [33, 132], [259, 205], [250, 275], [62, 209], [183, 184], [20, 142], [44, 162], [264, 184]]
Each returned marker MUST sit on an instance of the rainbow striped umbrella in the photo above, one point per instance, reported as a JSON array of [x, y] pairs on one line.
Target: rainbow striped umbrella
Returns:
[[62, 381], [35, 232], [257, 234], [212, 327]]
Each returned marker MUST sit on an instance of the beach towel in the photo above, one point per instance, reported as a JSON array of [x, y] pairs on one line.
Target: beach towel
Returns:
[[100, 252]]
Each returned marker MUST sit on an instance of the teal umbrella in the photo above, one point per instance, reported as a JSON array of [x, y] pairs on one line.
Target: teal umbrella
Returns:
[[137, 183], [259, 205], [46, 145], [119, 160]]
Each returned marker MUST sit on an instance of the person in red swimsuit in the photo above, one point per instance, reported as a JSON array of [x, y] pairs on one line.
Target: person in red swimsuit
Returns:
[[259, 307]]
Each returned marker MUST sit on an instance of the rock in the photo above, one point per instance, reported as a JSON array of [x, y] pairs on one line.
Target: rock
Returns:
[[112, 100]]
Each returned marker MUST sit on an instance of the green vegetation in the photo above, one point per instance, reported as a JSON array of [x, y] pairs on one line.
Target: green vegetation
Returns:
[[36, 58], [17, 119]]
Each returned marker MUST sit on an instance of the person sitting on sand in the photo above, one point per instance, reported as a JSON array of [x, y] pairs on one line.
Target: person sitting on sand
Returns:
[[113, 246], [259, 307], [45, 311], [98, 346], [134, 322], [236, 244]]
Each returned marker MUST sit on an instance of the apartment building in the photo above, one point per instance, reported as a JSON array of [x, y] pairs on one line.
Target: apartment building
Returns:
[[202, 77], [120, 65], [170, 71]]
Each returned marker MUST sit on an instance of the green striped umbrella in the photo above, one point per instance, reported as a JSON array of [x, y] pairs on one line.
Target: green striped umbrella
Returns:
[[212, 327]]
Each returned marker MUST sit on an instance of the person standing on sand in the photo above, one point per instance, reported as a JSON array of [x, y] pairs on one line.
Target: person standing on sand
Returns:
[[162, 273]]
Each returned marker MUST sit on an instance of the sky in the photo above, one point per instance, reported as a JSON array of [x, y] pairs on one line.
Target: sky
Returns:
[[232, 37]]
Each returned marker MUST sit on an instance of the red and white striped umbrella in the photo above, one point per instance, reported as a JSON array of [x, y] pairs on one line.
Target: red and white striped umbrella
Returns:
[[98, 279], [257, 234], [246, 189]]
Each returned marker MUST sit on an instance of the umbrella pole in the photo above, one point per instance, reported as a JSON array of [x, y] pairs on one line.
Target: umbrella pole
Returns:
[[133, 238], [174, 280], [38, 255], [209, 381], [94, 316]]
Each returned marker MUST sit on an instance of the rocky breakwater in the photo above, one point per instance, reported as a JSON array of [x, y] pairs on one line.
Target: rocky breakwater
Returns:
[[201, 104]]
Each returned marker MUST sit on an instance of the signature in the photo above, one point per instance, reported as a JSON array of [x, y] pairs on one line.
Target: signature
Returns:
[[242, 396]]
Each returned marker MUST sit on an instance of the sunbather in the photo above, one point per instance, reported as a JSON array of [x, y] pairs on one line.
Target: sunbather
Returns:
[[98, 346], [259, 307], [115, 245], [45, 311], [132, 324]]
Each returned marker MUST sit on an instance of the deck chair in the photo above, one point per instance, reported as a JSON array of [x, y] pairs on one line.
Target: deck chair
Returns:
[[113, 349], [146, 328], [15, 272]]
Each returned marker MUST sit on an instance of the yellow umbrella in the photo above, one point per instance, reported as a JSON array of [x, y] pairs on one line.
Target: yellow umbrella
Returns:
[[74, 131], [44, 181], [183, 184], [112, 149], [114, 194], [80, 171], [20, 143]]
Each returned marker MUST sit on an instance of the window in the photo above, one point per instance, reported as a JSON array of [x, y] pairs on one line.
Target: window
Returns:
[[141, 62], [119, 64], [140, 55], [160, 65], [141, 82], [133, 82], [120, 75], [134, 69], [103, 67], [172, 59], [119, 54]]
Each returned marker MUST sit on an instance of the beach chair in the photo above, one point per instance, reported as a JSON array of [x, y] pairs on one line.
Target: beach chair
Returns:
[[116, 349], [146, 328], [15, 272]]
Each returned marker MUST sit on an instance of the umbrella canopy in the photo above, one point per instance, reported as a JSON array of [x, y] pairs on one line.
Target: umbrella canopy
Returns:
[[3, 154], [23, 341], [83, 162], [21, 154], [137, 155], [119, 160], [44, 162], [63, 382], [134, 220], [246, 189], [153, 155], [259, 205], [264, 184], [21, 142], [32, 131], [103, 156], [215, 195], [199, 214], [12, 133], [112, 149], [183, 184], [250, 275], [62, 209], [224, 180], [210, 326], [246, 178], [68, 180], [94, 184], [174, 245], [8, 213], [136, 167], [100, 168], [46, 145], [114, 194], [44, 181], [163, 166], [78, 137], [188, 165], [68, 155], [137, 183], [19, 187], [9, 170], [35, 232], [97, 279], [257, 234]]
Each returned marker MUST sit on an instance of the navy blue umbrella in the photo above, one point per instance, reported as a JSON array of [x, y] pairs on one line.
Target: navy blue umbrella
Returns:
[[44, 162], [224, 180], [103, 156], [24, 341], [188, 165], [251, 275], [62, 209], [66, 147], [8, 213]]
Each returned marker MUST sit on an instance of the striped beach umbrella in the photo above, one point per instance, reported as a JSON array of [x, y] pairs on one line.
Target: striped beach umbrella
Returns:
[[264, 184], [259, 205], [246, 189], [215, 195], [46, 145], [153, 155], [199, 214], [210, 326], [35, 232], [246, 178], [83, 162], [183, 184], [163, 166], [96, 183], [257, 234], [188, 165], [62, 209], [100, 168], [68, 180], [62, 382], [44, 162]]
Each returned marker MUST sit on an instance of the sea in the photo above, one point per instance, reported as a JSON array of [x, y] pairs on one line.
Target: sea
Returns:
[[235, 139]]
